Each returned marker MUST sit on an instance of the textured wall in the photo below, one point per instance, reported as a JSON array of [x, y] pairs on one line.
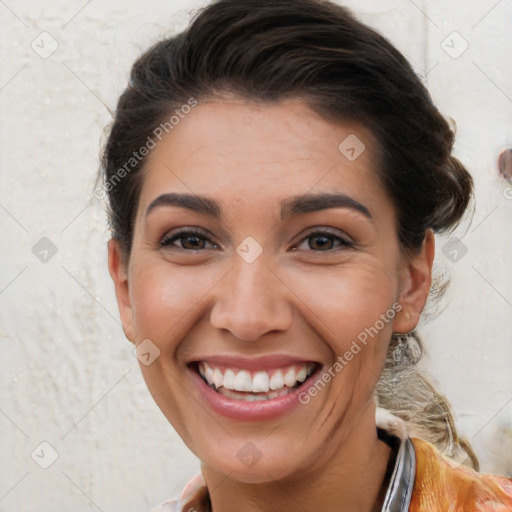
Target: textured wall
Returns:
[[68, 376]]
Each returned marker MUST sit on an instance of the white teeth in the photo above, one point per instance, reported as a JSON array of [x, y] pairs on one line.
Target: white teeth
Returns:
[[218, 378], [302, 374], [243, 381], [277, 380], [289, 378], [259, 382], [208, 374], [229, 379]]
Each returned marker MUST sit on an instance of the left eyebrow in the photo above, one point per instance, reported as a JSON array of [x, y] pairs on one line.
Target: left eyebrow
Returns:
[[307, 203]]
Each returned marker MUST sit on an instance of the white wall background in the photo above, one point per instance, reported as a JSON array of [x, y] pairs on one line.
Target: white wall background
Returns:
[[68, 376]]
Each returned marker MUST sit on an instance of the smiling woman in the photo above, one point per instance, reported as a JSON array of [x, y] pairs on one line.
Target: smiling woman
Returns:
[[275, 243]]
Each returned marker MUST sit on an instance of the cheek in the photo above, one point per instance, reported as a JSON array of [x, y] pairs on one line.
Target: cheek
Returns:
[[164, 300], [347, 299], [353, 306]]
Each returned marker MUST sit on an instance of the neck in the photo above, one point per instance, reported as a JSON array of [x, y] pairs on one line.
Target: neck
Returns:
[[348, 476]]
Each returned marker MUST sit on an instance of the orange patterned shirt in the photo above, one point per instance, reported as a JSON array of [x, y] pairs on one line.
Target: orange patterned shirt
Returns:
[[440, 485]]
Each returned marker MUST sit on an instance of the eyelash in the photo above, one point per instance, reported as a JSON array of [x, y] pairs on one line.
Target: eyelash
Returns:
[[169, 239]]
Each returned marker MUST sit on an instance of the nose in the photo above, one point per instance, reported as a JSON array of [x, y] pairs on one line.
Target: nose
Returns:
[[251, 300]]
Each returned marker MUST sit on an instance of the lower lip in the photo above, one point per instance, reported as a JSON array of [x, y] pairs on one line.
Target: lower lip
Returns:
[[251, 411]]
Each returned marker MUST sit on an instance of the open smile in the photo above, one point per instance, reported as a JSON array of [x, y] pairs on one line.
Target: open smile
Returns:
[[251, 385], [250, 391]]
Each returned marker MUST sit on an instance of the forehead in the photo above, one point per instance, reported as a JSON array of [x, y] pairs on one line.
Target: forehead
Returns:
[[262, 151]]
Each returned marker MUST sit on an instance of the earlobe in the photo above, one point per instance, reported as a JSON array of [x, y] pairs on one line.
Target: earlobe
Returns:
[[118, 273], [415, 286]]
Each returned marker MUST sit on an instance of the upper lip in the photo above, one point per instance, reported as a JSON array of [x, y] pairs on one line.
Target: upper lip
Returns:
[[253, 363]]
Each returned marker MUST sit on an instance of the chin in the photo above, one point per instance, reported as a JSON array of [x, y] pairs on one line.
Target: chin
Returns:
[[257, 474]]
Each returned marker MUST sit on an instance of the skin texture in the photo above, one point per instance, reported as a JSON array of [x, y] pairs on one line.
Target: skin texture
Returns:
[[299, 298]]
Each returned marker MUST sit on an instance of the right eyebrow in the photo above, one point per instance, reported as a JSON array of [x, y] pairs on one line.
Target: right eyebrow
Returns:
[[196, 203]]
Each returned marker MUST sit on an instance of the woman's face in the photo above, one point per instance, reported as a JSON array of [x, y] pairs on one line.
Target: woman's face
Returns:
[[263, 251]]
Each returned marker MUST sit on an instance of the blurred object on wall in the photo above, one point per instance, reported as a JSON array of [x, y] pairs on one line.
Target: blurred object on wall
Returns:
[[505, 164]]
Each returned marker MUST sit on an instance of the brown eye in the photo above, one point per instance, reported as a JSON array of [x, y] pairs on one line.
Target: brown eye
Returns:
[[190, 240], [326, 241], [320, 242]]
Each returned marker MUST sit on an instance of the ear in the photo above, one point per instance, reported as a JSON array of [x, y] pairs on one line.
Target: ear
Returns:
[[118, 273], [415, 281]]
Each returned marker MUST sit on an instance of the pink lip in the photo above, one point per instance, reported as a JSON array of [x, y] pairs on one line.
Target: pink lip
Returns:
[[245, 410]]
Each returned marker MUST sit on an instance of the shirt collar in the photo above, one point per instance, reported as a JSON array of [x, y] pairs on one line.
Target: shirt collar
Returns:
[[394, 431]]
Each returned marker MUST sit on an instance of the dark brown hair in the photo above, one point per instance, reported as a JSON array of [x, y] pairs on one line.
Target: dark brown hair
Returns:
[[309, 49]]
